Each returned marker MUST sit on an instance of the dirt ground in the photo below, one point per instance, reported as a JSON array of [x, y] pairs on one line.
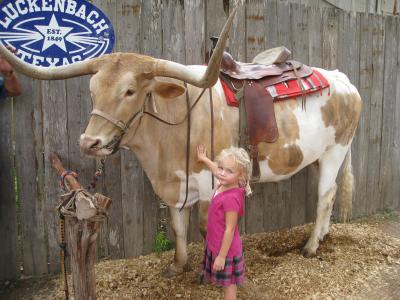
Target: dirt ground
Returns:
[[358, 260]]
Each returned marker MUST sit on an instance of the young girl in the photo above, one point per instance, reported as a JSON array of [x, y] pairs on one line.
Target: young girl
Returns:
[[223, 262]]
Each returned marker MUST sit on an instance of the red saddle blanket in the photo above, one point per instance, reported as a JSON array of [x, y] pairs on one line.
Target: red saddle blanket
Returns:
[[285, 90]]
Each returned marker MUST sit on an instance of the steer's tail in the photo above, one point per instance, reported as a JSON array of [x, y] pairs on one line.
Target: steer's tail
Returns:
[[346, 189]]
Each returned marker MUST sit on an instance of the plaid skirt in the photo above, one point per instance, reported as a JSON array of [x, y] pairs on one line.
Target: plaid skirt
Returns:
[[233, 272]]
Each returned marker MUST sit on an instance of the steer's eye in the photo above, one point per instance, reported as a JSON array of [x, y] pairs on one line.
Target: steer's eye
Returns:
[[130, 92]]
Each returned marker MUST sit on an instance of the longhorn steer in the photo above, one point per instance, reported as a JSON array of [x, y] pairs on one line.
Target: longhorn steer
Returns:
[[119, 87]]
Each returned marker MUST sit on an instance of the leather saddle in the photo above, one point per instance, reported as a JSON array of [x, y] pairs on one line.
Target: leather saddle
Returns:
[[257, 115]]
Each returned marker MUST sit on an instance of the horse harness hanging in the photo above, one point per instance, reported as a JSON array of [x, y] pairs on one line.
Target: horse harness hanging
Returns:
[[63, 244], [113, 145]]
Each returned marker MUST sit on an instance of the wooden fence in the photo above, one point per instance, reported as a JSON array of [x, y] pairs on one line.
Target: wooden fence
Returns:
[[386, 7], [51, 115]]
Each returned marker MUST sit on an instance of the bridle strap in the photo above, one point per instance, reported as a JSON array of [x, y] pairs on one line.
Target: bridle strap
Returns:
[[212, 134], [120, 124], [113, 145], [189, 109], [186, 116]]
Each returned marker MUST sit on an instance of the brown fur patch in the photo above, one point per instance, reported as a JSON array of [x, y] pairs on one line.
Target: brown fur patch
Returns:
[[284, 160], [342, 112]]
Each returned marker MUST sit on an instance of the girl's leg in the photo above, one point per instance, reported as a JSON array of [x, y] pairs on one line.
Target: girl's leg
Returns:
[[230, 292]]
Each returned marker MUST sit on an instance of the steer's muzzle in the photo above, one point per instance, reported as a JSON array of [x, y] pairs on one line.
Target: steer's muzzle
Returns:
[[90, 146]]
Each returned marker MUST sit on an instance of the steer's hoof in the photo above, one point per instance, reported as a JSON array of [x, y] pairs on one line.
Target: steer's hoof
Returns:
[[187, 268], [308, 253], [172, 271], [200, 278]]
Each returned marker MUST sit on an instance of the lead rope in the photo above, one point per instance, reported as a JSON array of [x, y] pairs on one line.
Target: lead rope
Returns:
[[63, 250], [97, 175]]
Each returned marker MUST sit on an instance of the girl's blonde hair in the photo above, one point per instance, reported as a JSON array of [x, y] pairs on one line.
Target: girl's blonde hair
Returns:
[[242, 160]]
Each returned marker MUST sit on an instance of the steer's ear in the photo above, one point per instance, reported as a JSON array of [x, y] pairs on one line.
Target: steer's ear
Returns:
[[167, 89]]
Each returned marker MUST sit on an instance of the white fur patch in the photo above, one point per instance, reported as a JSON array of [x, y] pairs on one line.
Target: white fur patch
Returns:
[[330, 163], [199, 187], [314, 139]]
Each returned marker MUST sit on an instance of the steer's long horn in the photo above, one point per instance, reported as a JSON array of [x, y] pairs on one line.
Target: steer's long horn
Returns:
[[77, 69], [209, 78]]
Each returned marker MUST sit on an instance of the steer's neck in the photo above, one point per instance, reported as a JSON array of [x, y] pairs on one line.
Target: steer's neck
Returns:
[[161, 148]]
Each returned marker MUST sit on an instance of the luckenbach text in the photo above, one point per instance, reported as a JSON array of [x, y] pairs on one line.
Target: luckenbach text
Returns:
[[22, 7]]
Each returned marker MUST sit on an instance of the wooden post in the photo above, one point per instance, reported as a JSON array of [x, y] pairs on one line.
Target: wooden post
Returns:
[[82, 226]]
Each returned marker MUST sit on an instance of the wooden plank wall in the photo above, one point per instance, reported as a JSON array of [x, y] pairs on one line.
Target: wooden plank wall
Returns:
[[8, 203], [386, 7], [50, 116]]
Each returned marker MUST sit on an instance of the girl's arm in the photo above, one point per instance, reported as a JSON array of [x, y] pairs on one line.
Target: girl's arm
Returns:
[[202, 156], [231, 219]]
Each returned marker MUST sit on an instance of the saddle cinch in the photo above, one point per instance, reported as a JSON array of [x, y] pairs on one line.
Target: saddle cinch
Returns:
[[250, 82]]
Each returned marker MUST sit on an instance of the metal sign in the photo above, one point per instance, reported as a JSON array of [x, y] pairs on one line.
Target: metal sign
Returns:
[[55, 32]]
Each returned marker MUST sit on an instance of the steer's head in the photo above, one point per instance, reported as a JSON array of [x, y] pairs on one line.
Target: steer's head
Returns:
[[119, 91], [119, 86]]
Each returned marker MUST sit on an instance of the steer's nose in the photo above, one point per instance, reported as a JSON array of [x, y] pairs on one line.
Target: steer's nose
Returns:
[[88, 144]]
